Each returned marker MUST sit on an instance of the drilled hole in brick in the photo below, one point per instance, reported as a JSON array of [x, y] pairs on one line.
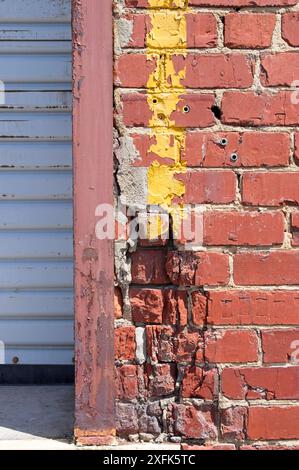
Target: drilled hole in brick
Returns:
[[216, 111], [155, 101], [186, 109]]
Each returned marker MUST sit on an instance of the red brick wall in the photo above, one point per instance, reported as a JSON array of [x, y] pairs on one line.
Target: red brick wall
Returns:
[[207, 338]]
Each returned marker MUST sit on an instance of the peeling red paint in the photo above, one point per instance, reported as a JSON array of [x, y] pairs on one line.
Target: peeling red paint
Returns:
[[93, 185]]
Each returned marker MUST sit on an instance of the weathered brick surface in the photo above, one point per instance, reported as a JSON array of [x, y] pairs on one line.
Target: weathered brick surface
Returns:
[[148, 267], [270, 189], [289, 26], [231, 346], [266, 268], [281, 346], [194, 422], [203, 187], [210, 149], [280, 69], [201, 30], [199, 383], [255, 109], [135, 110], [253, 149], [201, 268], [249, 30], [233, 423], [248, 228], [253, 307], [272, 383], [207, 324], [125, 343], [273, 422]]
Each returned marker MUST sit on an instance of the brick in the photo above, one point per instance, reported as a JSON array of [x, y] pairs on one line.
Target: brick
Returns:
[[251, 149], [214, 70], [281, 346], [125, 343], [126, 382], [212, 186], [273, 422], [280, 69], [197, 268], [161, 379], [147, 305], [166, 306], [233, 423], [234, 307], [165, 344], [126, 419], [194, 447], [265, 109], [231, 346], [159, 343], [134, 70], [253, 383], [175, 307], [247, 228], [194, 422], [143, 146], [118, 303], [200, 71], [136, 111], [199, 383], [240, 3], [201, 31], [266, 268], [187, 344], [268, 447], [289, 28], [148, 267], [249, 30], [270, 189], [199, 308], [295, 228]]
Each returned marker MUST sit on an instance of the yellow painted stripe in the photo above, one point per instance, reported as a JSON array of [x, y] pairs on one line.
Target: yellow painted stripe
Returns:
[[167, 37]]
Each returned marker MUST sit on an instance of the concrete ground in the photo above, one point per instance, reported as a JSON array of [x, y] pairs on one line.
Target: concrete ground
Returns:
[[41, 418], [36, 417]]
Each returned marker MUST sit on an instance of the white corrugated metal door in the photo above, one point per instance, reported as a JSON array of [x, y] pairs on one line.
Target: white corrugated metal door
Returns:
[[36, 268]]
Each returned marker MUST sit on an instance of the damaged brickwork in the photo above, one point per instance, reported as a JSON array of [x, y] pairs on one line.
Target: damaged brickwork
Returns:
[[207, 336]]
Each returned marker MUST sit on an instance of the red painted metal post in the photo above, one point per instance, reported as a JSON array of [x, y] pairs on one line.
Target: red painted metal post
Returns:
[[93, 185]]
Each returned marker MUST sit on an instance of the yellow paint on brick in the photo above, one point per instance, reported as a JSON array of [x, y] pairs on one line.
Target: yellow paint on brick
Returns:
[[162, 185], [167, 37], [162, 106], [167, 144], [167, 3], [168, 30], [173, 77]]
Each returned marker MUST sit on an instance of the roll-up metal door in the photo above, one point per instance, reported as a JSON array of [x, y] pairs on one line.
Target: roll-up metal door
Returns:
[[36, 239]]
